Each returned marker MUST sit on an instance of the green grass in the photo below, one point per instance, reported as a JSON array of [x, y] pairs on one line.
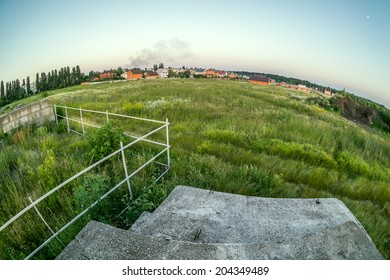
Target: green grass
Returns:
[[225, 135]]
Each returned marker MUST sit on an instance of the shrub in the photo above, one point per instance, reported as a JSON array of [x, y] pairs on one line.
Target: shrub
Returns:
[[149, 200], [47, 170], [104, 141], [92, 187], [41, 131]]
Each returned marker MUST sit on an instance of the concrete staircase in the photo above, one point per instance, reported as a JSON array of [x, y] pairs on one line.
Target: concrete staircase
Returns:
[[200, 224]]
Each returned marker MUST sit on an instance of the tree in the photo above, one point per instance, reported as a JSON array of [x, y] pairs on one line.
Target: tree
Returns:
[[171, 74], [73, 76], [155, 67], [43, 81], [161, 66], [37, 84], [78, 74], [2, 91], [28, 86], [119, 71]]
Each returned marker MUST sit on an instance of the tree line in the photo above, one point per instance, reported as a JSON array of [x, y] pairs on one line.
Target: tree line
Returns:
[[55, 79]]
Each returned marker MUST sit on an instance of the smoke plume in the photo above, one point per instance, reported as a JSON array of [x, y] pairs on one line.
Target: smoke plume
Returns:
[[166, 51]]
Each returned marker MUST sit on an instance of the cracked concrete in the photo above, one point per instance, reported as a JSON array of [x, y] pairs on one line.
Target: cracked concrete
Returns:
[[198, 224]]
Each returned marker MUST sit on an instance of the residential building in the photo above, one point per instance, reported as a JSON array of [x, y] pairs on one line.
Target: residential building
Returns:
[[134, 74], [151, 75], [162, 73], [199, 71], [210, 73], [106, 75], [232, 76], [328, 91], [303, 88], [259, 79], [221, 74]]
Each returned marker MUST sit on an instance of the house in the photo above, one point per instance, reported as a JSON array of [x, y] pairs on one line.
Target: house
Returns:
[[282, 84], [232, 76], [259, 79], [199, 71], [221, 74], [162, 73], [134, 74], [328, 91], [106, 75], [151, 75], [303, 88], [210, 73]]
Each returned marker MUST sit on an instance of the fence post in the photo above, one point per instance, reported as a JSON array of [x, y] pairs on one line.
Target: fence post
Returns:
[[125, 168], [81, 119], [107, 116], [55, 113], [67, 119], [43, 220], [169, 158]]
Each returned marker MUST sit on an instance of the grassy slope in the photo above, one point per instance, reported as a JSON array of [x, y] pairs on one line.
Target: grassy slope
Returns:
[[256, 140]]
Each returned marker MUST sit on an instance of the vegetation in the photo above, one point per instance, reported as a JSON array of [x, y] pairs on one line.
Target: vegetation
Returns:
[[52, 80], [228, 136]]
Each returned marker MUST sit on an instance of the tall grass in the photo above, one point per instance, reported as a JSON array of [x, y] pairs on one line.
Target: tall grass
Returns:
[[228, 136]]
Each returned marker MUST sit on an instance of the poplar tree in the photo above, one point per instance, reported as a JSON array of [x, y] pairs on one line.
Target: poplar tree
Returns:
[[2, 91], [78, 73], [37, 84], [28, 86]]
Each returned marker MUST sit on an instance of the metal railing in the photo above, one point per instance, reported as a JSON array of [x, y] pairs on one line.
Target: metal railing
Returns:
[[33, 204]]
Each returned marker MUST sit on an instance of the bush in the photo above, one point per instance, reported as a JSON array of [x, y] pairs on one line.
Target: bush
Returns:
[[149, 200], [104, 141], [92, 187]]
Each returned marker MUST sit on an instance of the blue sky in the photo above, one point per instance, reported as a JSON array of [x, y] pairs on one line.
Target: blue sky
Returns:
[[335, 43]]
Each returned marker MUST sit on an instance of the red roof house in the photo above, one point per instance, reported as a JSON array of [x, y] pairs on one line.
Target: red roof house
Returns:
[[259, 79], [151, 75], [106, 75], [134, 74]]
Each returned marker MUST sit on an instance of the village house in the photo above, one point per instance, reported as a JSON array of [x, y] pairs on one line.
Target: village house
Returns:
[[124, 75], [303, 88], [232, 76], [162, 73], [210, 73], [221, 74], [328, 91], [151, 75], [106, 75], [199, 71], [259, 79], [134, 74]]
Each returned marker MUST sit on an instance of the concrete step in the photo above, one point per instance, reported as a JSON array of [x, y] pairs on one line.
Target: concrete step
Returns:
[[216, 217], [198, 224], [103, 242]]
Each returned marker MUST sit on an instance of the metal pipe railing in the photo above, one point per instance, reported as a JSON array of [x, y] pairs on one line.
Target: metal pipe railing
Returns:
[[121, 150]]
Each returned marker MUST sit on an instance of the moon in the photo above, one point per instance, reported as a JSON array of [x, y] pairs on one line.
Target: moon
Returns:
[[368, 17]]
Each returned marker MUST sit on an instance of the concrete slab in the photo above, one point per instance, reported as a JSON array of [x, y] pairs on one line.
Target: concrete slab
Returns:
[[229, 218], [98, 241], [198, 224]]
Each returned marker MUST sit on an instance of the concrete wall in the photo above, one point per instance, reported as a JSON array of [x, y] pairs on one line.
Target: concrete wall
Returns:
[[33, 113]]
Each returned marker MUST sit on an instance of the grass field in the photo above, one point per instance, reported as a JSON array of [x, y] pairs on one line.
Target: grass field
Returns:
[[228, 136]]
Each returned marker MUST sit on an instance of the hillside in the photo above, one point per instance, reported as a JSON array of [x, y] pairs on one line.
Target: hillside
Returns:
[[233, 137]]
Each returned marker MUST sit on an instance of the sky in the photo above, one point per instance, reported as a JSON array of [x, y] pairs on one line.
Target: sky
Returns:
[[337, 43]]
